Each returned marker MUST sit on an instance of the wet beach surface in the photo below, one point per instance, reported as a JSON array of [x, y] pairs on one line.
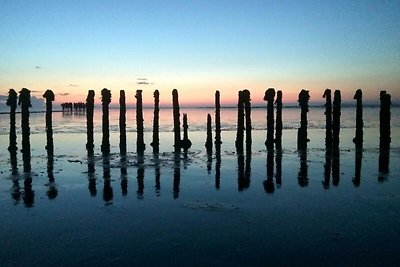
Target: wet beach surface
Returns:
[[175, 210]]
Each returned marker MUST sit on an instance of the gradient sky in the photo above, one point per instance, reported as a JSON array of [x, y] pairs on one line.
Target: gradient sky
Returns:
[[200, 46]]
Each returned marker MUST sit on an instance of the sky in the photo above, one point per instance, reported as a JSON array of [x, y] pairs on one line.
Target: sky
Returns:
[[198, 47]]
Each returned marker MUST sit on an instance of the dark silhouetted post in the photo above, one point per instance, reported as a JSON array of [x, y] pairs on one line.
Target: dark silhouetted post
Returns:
[[122, 122], [336, 111], [156, 138], [240, 124], [302, 138], [49, 96], [385, 131], [209, 143], [359, 138], [247, 112], [278, 123], [25, 103], [185, 143], [177, 123], [106, 100], [217, 119], [89, 121], [12, 103], [328, 119], [140, 146], [218, 141], [269, 97]]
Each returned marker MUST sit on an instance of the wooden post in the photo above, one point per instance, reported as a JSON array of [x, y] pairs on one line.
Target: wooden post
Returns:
[[247, 112], [12, 103], [302, 137], [328, 119], [89, 121], [49, 95], [279, 124], [269, 97], [384, 139], [25, 103], [218, 141], [122, 122], [106, 100], [140, 146], [209, 143], [177, 124], [358, 139], [156, 139], [185, 143], [240, 124], [336, 111]]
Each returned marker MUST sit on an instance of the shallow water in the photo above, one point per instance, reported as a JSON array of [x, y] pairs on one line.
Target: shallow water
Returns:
[[189, 210]]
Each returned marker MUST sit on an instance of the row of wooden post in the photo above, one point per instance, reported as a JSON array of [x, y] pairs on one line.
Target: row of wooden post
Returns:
[[332, 114]]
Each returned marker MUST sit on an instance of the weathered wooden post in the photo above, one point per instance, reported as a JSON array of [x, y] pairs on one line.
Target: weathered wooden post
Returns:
[[240, 124], [106, 100], [25, 103], [218, 141], [185, 143], [302, 137], [122, 122], [328, 119], [384, 139], [278, 123], [247, 112], [140, 146], [89, 121], [269, 97], [358, 139], [156, 138], [12, 103], [209, 143], [49, 96], [177, 123], [336, 111]]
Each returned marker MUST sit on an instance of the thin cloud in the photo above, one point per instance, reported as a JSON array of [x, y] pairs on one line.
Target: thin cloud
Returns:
[[38, 67], [64, 94], [73, 85], [143, 81]]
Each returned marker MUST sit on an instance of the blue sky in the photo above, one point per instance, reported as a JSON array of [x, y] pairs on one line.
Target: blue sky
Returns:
[[200, 46]]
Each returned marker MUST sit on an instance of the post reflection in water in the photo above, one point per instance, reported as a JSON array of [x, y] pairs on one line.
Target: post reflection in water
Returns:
[[124, 174], [384, 155], [244, 170], [177, 174], [91, 174], [29, 194], [278, 161], [335, 166], [140, 179], [157, 174], [269, 185], [358, 163], [217, 165], [107, 189], [303, 172], [52, 191], [327, 167], [16, 189]]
